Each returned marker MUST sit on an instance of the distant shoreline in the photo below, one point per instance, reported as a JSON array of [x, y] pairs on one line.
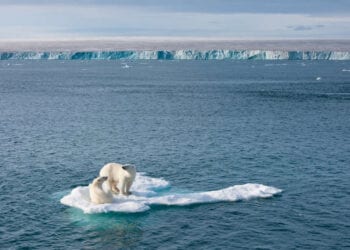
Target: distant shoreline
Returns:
[[170, 44]]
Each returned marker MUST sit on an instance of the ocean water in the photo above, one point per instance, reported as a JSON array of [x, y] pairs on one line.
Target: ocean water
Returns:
[[214, 142]]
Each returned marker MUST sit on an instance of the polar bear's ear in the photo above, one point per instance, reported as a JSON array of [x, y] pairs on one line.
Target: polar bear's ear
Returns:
[[104, 178]]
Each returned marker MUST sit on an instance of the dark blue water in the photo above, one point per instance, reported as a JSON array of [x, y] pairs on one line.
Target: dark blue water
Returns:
[[201, 125]]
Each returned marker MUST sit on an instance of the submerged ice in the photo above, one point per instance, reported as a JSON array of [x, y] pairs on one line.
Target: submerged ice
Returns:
[[147, 191]]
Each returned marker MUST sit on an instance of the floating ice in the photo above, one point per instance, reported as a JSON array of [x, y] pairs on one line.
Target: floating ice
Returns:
[[125, 66], [146, 192]]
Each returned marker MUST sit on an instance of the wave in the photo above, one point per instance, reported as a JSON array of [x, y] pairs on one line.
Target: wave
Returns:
[[180, 55], [147, 191]]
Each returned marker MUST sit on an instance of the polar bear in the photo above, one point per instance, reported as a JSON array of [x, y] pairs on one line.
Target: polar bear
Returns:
[[119, 175], [97, 194]]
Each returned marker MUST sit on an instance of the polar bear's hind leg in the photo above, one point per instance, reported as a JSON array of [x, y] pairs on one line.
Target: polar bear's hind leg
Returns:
[[113, 186]]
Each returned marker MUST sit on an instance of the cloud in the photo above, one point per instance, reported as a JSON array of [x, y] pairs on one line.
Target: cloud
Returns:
[[305, 27], [106, 20], [328, 7]]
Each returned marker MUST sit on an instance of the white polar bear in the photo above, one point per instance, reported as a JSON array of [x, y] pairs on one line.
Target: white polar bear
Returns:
[[119, 175], [97, 194]]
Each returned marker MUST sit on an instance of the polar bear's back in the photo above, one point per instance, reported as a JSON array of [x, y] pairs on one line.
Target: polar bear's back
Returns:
[[108, 169]]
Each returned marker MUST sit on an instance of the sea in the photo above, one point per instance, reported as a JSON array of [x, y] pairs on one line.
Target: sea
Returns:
[[229, 154]]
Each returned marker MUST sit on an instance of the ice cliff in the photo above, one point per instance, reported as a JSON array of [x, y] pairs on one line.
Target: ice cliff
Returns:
[[181, 55]]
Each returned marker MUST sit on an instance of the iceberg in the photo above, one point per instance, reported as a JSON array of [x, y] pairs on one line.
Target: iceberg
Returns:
[[179, 55], [148, 191]]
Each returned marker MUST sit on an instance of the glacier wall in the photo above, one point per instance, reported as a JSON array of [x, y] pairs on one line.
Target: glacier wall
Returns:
[[180, 55]]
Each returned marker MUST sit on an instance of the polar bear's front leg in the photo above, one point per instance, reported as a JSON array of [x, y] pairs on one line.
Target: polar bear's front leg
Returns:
[[124, 189], [128, 186]]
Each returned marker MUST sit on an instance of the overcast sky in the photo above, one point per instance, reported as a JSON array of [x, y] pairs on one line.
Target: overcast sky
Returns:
[[239, 19]]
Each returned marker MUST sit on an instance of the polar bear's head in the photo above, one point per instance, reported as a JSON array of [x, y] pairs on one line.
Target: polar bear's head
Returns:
[[128, 166], [99, 181], [129, 169]]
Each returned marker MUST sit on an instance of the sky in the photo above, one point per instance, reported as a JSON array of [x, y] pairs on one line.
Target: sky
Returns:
[[216, 19]]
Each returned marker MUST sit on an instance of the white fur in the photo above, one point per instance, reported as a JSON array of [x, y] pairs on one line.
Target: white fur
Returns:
[[119, 179], [97, 194]]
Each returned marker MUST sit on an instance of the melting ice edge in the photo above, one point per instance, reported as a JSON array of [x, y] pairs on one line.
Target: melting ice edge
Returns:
[[180, 55]]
